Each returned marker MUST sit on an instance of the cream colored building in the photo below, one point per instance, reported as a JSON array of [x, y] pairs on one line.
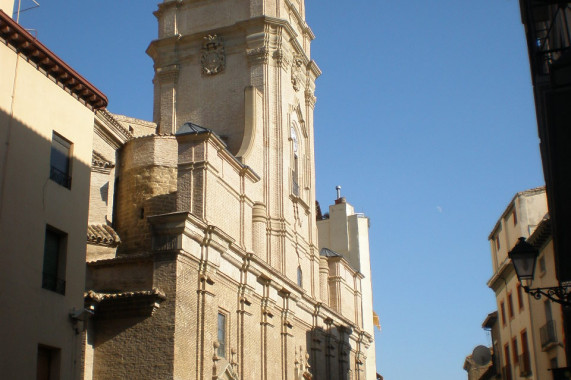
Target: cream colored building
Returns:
[[530, 330], [204, 259], [346, 268], [203, 256], [46, 112]]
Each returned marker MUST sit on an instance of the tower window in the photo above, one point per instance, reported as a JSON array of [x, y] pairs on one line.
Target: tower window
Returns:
[[221, 335], [53, 273], [60, 161], [295, 163], [299, 276]]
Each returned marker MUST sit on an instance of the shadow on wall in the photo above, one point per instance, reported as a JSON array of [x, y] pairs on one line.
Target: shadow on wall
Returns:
[[330, 352], [30, 203]]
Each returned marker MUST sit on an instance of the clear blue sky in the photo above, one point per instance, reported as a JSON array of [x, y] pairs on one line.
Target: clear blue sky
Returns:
[[424, 116]]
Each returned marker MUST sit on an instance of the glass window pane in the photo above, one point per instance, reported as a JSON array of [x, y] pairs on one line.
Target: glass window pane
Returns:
[[222, 335]]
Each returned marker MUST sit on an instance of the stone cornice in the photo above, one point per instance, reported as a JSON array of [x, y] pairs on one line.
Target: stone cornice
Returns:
[[314, 69], [237, 29], [306, 29], [504, 273], [257, 55], [107, 127], [123, 259]]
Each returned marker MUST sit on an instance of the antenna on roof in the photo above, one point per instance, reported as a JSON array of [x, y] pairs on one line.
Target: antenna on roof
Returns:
[[338, 188], [20, 10]]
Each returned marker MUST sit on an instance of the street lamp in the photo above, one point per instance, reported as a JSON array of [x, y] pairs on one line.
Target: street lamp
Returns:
[[524, 256]]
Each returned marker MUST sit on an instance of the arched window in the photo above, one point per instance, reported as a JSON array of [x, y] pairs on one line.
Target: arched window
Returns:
[[299, 276], [295, 163]]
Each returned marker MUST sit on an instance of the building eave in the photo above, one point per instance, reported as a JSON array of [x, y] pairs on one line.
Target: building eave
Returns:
[[24, 43], [506, 267]]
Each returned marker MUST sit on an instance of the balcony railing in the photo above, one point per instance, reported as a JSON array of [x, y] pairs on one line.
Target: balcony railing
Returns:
[[548, 32], [53, 283], [506, 373], [60, 177], [548, 334], [524, 364]]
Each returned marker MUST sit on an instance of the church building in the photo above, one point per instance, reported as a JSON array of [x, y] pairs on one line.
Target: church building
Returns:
[[207, 254]]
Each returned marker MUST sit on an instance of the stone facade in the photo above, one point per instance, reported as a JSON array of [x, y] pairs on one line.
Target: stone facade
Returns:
[[218, 272]]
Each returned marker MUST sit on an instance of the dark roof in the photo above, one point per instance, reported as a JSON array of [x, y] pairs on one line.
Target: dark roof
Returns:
[[189, 127], [490, 320], [329, 253], [14, 34]]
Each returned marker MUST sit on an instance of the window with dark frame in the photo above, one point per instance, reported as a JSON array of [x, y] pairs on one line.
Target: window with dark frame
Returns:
[[510, 306], [553, 363], [525, 365], [508, 362], [503, 311], [53, 271], [47, 363], [60, 161], [497, 242], [519, 297], [514, 349], [221, 335]]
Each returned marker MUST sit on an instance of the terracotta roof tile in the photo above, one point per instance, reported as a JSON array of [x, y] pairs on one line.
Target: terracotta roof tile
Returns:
[[102, 234]]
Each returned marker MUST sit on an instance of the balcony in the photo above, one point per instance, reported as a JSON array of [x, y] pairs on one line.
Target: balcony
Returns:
[[548, 33], [548, 334], [524, 364]]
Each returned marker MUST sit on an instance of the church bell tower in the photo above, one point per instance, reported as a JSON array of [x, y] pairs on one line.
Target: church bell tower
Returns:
[[242, 69]]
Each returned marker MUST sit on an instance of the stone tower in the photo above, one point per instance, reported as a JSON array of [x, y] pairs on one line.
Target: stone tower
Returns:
[[218, 273], [243, 70]]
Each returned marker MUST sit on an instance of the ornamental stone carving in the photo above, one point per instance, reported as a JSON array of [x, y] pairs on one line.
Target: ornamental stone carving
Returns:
[[296, 73], [213, 57], [257, 55], [310, 98]]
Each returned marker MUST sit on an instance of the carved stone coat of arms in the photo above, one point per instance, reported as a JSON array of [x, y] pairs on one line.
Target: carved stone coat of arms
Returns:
[[213, 56]]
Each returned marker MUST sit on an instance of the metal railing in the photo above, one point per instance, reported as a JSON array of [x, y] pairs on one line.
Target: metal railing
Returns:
[[60, 177], [52, 282], [548, 32], [548, 334]]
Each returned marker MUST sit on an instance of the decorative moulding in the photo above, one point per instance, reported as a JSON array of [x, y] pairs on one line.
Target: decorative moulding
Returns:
[[257, 55]]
